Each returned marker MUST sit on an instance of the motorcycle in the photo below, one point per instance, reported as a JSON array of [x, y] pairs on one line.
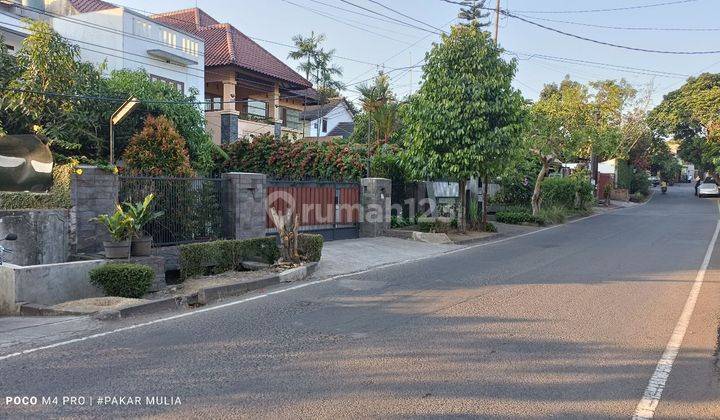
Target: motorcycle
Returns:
[[3, 250], [663, 187]]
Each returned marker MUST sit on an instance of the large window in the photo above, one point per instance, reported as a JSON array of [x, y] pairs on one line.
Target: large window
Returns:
[[191, 47], [168, 37], [291, 118], [257, 108], [324, 125], [213, 102], [142, 28], [180, 86]]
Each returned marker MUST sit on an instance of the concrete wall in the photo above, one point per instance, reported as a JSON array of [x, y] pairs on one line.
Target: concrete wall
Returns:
[[43, 236], [47, 284], [375, 199]]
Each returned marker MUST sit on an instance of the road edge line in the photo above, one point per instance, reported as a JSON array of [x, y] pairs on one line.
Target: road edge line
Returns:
[[653, 392]]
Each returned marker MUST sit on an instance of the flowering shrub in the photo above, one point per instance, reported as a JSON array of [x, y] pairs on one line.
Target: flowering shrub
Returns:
[[332, 160], [157, 150]]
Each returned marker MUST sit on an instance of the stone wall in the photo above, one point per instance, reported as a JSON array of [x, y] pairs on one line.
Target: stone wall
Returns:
[[93, 192], [244, 205], [375, 198], [43, 236]]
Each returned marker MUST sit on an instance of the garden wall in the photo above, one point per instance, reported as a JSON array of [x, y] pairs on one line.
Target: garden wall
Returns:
[[43, 236]]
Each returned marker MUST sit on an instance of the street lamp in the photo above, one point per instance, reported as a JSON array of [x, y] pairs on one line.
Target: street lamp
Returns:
[[119, 115]]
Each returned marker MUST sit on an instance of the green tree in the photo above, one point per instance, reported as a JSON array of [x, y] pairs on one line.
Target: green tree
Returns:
[[158, 99], [47, 63], [557, 128], [690, 114], [381, 107], [307, 49], [466, 118]]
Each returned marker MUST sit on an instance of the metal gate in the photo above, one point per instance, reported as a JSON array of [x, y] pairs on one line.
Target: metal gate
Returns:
[[331, 209], [192, 207]]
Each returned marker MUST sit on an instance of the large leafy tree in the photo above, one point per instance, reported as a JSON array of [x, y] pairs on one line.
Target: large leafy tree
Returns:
[[691, 114], [557, 128], [466, 118], [47, 63]]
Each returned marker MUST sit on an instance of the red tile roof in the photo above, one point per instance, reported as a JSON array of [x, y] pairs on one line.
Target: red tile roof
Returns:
[[226, 45], [87, 6]]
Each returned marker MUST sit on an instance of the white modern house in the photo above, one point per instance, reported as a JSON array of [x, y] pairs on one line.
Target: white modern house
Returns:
[[334, 119], [122, 39]]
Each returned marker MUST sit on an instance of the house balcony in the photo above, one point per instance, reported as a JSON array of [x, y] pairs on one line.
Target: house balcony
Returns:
[[228, 126]]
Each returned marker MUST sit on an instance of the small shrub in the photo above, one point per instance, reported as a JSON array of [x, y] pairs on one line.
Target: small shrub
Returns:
[[489, 227], [516, 217], [640, 183], [638, 197], [225, 255], [553, 214], [310, 246], [570, 192], [123, 280], [158, 150], [399, 222]]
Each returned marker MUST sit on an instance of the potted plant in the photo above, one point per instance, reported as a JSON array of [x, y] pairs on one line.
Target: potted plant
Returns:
[[140, 215], [119, 226]]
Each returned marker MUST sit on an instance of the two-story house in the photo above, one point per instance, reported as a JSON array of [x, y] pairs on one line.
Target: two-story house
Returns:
[[334, 118], [12, 29], [121, 39], [248, 90]]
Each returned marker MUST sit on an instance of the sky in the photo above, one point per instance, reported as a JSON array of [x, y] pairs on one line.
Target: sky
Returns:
[[383, 43]]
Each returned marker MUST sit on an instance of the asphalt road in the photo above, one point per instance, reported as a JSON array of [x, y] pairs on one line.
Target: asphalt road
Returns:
[[568, 322]]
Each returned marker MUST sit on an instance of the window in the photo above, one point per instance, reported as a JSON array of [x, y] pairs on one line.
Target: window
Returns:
[[291, 118], [168, 38], [180, 86], [142, 28], [324, 125], [213, 102], [257, 108], [191, 47]]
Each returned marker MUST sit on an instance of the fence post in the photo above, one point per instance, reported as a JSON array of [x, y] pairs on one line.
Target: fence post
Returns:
[[243, 202], [375, 199], [93, 191]]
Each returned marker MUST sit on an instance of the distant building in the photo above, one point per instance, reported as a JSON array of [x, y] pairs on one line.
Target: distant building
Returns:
[[118, 37], [334, 119], [248, 89]]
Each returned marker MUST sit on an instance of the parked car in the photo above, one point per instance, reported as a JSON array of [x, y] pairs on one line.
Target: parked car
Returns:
[[655, 181], [708, 188]]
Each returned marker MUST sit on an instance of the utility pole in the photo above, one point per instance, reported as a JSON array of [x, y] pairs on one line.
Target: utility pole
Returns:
[[497, 20]]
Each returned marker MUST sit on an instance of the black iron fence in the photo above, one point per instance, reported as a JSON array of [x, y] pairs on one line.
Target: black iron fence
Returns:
[[192, 207]]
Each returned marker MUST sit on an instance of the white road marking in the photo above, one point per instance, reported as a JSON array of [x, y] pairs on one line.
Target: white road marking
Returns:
[[651, 398], [284, 290]]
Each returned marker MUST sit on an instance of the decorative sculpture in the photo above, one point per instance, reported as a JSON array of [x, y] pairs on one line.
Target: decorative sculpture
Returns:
[[25, 163]]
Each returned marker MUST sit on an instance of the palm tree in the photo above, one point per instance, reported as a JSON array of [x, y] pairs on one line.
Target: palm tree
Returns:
[[306, 51], [378, 101]]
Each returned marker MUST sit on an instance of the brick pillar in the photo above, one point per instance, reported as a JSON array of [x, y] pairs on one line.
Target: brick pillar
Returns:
[[243, 204], [375, 199], [93, 192]]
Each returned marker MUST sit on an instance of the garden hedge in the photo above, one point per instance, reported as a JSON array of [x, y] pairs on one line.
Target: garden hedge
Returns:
[[123, 280], [561, 192], [310, 246], [225, 255]]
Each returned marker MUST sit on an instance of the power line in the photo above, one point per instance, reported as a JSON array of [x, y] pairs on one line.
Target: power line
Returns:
[[609, 44], [405, 15], [615, 9], [627, 28], [347, 23], [389, 17]]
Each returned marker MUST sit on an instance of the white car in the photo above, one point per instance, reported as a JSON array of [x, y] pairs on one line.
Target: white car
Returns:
[[708, 188]]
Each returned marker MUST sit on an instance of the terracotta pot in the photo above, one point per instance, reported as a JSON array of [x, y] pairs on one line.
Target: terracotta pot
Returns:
[[140, 247], [117, 249]]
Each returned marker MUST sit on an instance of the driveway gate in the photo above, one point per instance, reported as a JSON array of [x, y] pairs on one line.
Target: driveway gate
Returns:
[[331, 209]]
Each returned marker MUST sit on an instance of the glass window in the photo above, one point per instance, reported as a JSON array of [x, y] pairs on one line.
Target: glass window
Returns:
[[191, 47], [142, 28], [213, 102], [291, 118], [257, 108], [324, 125], [180, 86], [168, 37]]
